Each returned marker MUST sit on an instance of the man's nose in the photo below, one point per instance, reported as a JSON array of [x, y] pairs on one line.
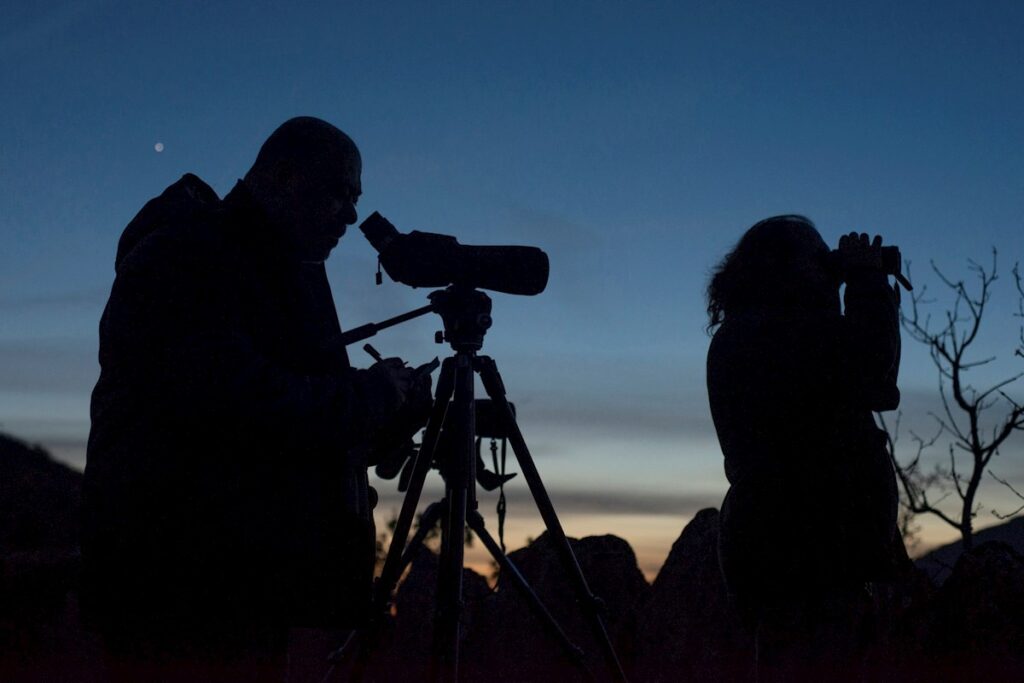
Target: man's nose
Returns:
[[348, 213]]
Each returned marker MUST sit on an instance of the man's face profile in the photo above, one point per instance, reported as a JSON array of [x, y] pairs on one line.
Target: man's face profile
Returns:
[[306, 178], [321, 209]]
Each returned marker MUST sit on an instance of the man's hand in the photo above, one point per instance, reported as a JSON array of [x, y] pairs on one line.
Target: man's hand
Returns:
[[395, 372], [392, 385], [856, 253], [405, 408]]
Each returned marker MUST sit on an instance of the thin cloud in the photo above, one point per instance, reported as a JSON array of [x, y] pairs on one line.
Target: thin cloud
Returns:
[[649, 398], [569, 502], [50, 365], [552, 231], [649, 418], [631, 502], [79, 298], [576, 251]]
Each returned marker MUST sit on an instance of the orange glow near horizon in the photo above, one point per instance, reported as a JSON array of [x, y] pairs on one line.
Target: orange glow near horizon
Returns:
[[650, 536]]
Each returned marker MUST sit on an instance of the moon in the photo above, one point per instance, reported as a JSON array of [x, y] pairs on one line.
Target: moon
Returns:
[[159, 147]]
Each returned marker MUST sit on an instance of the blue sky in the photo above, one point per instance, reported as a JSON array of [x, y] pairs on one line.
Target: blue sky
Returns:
[[634, 142]]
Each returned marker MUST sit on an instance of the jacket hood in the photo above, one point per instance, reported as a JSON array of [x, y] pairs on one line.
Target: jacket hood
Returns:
[[177, 204]]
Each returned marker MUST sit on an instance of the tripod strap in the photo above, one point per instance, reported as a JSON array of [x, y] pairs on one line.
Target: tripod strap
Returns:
[[502, 505]]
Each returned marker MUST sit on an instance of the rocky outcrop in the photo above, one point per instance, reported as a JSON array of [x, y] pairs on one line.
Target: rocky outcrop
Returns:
[[513, 642], [406, 650], [678, 629], [40, 499], [503, 639], [40, 634], [977, 618], [939, 562], [684, 631]]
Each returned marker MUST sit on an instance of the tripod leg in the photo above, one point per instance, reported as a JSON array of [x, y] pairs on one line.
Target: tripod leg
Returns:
[[393, 566], [495, 389], [364, 640], [508, 569], [460, 485], [428, 520]]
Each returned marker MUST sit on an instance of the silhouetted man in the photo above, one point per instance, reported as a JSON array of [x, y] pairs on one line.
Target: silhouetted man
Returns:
[[810, 516], [226, 489]]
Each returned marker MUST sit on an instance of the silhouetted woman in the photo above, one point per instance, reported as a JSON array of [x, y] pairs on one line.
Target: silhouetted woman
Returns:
[[793, 378]]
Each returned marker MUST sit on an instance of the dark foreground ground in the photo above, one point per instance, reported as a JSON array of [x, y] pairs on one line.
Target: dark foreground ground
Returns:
[[969, 628]]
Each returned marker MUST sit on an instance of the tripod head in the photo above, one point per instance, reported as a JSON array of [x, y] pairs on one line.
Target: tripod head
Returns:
[[466, 314]]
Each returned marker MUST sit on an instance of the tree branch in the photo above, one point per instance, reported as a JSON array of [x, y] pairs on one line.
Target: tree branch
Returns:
[[969, 451], [1015, 492]]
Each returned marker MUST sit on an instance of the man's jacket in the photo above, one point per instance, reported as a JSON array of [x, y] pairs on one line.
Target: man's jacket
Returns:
[[219, 480]]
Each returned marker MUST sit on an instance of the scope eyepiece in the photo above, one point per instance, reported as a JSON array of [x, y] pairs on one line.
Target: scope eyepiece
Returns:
[[378, 231]]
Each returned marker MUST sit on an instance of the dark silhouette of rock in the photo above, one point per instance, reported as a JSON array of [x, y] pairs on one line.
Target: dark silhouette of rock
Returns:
[[39, 505], [510, 643], [502, 638], [40, 499], [977, 625], [40, 633], [895, 624], [405, 649], [683, 631], [680, 628], [939, 562]]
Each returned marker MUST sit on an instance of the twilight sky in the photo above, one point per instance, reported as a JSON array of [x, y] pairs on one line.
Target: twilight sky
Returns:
[[634, 142]]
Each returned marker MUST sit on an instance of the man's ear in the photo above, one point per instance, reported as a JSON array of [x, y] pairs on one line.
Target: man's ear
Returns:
[[285, 176]]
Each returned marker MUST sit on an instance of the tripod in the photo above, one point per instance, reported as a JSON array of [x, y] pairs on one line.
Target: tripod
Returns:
[[466, 317]]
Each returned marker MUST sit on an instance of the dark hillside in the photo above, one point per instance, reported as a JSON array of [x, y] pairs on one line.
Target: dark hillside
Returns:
[[40, 633], [39, 499], [940, 562]]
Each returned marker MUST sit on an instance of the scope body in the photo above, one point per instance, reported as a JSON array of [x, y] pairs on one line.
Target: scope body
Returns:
[[427, 259]]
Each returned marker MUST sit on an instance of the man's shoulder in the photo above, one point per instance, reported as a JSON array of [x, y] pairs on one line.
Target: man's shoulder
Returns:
[[179, 228]]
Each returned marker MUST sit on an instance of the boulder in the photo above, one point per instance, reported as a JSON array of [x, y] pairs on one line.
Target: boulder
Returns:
[[509, 642], [40, 499], [684, 631], [41, 638], [939, 561], [896, 623], [977, 622], [405, 650]]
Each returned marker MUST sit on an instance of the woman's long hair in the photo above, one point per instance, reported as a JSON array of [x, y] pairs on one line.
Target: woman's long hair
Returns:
[[747, 277]]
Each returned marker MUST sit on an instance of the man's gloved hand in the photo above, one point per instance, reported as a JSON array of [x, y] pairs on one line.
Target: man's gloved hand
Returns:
[[388, 386], [407, 411]]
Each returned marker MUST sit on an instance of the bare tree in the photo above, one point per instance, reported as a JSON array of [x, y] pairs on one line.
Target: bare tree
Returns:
[[974, 423]]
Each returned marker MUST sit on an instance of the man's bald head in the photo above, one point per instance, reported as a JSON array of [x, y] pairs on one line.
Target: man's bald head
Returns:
[[306, 177], [310, 146]]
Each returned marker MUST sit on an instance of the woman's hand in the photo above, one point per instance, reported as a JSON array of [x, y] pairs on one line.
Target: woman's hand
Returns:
[[857, 253]]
